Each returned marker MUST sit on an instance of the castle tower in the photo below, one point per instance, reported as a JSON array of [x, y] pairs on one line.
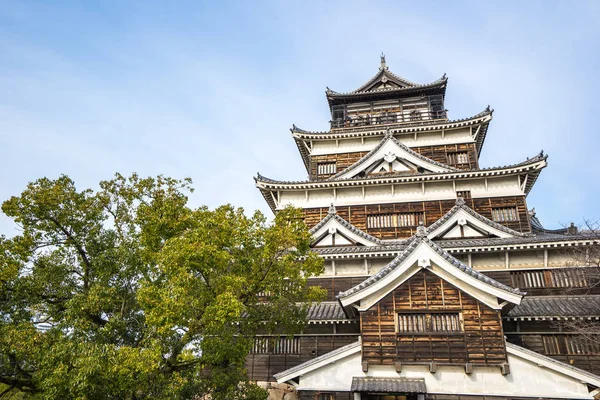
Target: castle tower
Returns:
[[441, 283]]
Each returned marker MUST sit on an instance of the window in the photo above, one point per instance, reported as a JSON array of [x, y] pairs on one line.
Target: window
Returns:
[[325, 396], [394, 220], [276, 345], [505, 214], [326, 168], [570, 344], [429, 323], [458, 158], [555, 278], [465, 194]]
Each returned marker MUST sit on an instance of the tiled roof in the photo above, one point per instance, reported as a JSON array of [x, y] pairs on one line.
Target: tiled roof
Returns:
[[374, 130], [557, 306], [326, 311], [331, 94], [397, 245], [388, 385], [460, 205], [531, 161], [332, 215], [410, 246]]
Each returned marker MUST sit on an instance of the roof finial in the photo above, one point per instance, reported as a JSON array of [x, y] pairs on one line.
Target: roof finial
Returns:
[[460, 201], [383, 63], [542, 153], [488, 108], [332, 209], [421, 232]]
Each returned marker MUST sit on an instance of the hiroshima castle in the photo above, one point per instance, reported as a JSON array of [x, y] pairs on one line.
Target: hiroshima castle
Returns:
[[441, 281]]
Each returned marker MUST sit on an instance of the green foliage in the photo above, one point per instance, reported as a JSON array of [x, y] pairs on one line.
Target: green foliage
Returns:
[[144, 296]]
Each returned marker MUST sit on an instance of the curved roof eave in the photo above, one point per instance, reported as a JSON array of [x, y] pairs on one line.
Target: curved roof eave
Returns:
[[483, 117], [532, 165]]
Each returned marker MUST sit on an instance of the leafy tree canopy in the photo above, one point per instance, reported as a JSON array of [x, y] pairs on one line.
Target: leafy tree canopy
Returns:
[[128, 293]]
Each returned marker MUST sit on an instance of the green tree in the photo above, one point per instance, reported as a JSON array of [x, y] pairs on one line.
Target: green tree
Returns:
[[140, 295]]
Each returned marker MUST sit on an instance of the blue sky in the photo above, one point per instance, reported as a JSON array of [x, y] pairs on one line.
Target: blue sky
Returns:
[[209, 90]]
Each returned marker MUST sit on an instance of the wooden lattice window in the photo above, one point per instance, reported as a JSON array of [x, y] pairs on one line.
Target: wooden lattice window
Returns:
[[394, 220], [505, 214], [570, 344], [276, 345], [465, 194], [326, 168], [554, 278], [325, 396], [458, 158], [429, 323]]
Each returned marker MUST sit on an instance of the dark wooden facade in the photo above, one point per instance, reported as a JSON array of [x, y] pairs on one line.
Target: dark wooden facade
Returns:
[[480, 340], [444, 154], [431, 211], [261, 366]]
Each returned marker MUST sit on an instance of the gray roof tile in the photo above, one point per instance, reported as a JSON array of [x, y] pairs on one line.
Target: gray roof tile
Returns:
[[557, 306], [388, 385]]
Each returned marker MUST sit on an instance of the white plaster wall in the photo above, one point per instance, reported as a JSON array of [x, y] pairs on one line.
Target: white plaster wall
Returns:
[[350, 267], [497, 187], [352, 145], [526, 379]]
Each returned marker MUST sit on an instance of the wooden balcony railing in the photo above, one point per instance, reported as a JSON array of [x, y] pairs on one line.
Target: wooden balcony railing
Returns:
[[385, 118]]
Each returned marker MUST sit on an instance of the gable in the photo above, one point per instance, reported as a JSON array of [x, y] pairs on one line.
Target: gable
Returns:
[[422, 254], [462, 222], [392, 156], [333, 230]]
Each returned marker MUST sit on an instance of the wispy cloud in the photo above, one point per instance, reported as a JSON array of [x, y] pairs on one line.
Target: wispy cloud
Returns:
[[210, 90]]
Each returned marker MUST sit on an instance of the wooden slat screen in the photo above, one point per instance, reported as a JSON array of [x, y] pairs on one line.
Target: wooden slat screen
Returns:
[[558, 278], [570, 344], [394, 220], [458, 158], [276, 345], [429, 323], [505, 214], [326, 168]]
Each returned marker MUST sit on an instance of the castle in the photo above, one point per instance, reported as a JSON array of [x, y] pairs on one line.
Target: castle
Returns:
[[442, 283]]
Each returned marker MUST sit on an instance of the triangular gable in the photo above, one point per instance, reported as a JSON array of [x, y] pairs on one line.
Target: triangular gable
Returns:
[[531, 375], [463, 222], [422, 253], [333, 230], [392, 156], [384, 79]]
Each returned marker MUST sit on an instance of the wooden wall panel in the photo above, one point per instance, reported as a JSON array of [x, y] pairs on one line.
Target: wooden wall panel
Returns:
[[432, 211], [440, 154], [585, 356], [480, 342], [342, 160], [336, 285]]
